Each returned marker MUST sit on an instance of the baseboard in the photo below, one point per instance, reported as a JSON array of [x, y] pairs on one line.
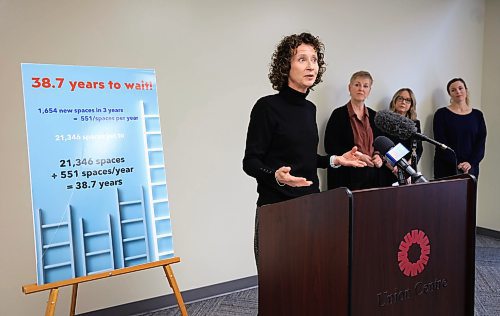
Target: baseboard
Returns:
[[488, 232], [206, 292], [169, 300]]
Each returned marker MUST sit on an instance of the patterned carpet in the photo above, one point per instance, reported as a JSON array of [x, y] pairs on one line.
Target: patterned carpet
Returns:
[[487, 294], [243, 303]]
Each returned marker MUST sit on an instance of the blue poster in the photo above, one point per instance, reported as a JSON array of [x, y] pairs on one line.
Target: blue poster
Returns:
[[98, 178]]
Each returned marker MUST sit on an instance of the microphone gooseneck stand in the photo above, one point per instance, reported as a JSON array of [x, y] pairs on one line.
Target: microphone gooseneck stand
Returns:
[[414, 158]]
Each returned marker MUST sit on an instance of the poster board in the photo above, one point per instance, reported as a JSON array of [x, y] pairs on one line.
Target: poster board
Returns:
[[98, 177]]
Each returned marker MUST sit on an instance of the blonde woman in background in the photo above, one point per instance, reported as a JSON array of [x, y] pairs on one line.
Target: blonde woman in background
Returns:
[[404, 103]]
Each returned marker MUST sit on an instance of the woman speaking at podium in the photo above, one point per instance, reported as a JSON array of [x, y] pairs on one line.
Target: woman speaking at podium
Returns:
[[282, 138]]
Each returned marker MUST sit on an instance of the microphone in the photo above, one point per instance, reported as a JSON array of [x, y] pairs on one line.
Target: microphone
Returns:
[[414, 157], [401, 177], [394, 154], [401, 127]]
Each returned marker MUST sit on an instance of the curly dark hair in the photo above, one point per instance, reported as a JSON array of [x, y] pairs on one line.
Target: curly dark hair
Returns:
[[282, 57]]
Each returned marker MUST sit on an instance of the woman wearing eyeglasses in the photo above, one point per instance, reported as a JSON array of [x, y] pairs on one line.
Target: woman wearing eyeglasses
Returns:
[[404, 103]]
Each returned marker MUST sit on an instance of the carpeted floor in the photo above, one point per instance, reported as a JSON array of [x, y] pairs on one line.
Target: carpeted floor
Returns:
[[243, 303], [487, 294]]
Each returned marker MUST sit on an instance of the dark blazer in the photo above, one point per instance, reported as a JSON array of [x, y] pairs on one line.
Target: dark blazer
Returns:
[[339, 138]]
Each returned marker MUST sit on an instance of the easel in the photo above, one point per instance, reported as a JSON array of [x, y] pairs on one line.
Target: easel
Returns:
[[54, 287]]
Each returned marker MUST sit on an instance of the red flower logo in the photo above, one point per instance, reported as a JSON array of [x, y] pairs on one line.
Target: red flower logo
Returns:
[[415, 237]]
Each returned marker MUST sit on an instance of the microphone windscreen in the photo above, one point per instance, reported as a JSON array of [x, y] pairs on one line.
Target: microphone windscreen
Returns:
[[394, 124], [383, 144]]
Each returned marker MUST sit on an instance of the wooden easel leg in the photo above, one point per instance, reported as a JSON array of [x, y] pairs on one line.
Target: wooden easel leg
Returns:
[[51, 303], [173, 284], [74, 293]]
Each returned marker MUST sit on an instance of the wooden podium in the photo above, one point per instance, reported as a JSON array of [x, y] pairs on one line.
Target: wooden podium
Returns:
[[405, 250]]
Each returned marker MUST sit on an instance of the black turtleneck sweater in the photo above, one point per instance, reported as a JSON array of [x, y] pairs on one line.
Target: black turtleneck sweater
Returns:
[[283, 132]]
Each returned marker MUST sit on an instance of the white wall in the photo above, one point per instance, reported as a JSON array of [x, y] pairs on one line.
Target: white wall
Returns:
[[488, 210], [212, 61]]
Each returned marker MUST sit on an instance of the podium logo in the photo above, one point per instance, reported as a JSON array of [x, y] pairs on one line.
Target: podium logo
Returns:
[[414, 252]]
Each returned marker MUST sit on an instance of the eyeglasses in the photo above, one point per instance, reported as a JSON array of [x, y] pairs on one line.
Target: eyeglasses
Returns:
[[401, 99]]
